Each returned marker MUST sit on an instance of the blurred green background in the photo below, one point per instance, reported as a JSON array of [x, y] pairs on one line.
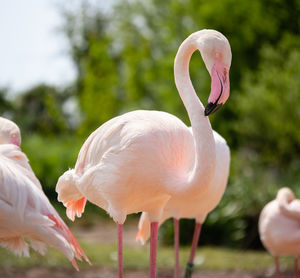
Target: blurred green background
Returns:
[[124, 61]]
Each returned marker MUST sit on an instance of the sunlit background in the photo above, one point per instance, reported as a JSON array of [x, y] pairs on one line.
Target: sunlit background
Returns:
[[66, 67]]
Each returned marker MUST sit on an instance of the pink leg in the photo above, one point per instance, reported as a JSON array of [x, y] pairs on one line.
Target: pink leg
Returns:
[[153, 248], [120, 250], [277, 267], [190, 264], [176, 247], [296, 268]]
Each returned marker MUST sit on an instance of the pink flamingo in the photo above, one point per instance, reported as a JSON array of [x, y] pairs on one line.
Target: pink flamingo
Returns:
[[196, 206], [25, 211], [138, 161], [279, 227]]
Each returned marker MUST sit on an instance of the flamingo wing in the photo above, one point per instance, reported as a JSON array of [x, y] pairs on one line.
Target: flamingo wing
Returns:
[[27, 213]]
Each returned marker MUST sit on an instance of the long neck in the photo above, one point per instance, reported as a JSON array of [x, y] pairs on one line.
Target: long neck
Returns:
[[200, 177], [285, 208]]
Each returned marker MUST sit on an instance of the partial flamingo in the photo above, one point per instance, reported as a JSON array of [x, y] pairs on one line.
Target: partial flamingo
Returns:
[[279, 227], [196, 206], [25, 211], [138, 161]]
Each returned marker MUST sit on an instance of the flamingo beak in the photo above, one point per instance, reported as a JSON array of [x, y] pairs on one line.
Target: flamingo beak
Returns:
[[15, 142], [212, 108], [219, 88]]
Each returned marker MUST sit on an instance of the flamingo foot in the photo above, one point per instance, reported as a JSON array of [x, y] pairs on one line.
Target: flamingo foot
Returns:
[[190, 265], [189, 270]]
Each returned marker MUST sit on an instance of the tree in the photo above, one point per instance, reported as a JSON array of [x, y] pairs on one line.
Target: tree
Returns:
[[6, 106], [97, 66], [40, 110]]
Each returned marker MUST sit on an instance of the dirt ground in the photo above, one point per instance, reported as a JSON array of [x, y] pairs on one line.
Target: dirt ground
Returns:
[[42, 272]]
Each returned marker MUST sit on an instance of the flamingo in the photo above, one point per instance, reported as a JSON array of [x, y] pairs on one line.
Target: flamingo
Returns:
[[197, 206], [279, 227], [25, 211], [137, 161]]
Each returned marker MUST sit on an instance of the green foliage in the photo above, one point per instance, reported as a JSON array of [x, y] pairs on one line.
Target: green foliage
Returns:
[[40, 110], [269, 138], [5, 103], [50, 157], [269, 104]]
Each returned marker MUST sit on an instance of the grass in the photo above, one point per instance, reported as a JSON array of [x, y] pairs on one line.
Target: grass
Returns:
[[105, 255]]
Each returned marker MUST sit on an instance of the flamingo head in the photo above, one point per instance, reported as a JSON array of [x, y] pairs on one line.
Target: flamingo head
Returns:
[[216, 54], [285, 194], [9, 132]]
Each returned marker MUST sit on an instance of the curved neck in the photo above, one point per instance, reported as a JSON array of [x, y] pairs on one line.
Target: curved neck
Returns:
[[203, 171], [283, 203]]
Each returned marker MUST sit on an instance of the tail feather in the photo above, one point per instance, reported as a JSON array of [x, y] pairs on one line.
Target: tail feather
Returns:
[[69, 194], [75, 265], [75, 208], [38, 246], [17, 245], [144, 228], [78, 252]]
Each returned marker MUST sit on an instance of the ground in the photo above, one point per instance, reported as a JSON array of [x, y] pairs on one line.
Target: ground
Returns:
[[44, 272], [98, 238]]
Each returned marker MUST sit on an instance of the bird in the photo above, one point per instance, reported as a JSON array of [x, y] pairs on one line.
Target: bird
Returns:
[[279, 227], [137, 161], [196, 207], [26, 215]]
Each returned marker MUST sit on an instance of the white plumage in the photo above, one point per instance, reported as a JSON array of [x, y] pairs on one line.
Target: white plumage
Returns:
[[199, 205]]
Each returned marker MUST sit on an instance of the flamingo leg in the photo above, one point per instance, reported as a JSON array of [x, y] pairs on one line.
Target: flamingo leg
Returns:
[[176, 247], [153, 249], [296, 268], [120, 250], [277, 266], [190, 264]]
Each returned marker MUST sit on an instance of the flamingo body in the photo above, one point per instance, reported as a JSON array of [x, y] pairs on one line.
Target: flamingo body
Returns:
[[198, 205], [131, 163]]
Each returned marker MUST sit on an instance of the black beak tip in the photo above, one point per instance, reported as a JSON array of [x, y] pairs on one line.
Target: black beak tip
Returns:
[[211, 108]]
